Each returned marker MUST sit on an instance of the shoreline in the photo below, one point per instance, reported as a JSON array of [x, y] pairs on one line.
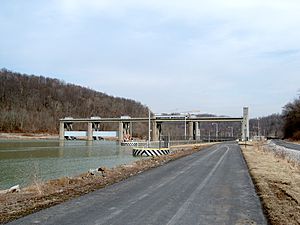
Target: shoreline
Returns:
[[28, 136], [43, 195], [39, 136]]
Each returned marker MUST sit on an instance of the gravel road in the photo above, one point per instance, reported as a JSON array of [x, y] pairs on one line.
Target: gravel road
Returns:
[[212, 186]]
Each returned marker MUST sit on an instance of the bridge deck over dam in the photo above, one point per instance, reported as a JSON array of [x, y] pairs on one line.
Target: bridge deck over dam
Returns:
[[192, 123], [157, 119]]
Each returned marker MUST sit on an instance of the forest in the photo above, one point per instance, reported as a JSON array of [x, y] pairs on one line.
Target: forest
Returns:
[[285, 125], [31, 103], [269, 126], [291, 116]]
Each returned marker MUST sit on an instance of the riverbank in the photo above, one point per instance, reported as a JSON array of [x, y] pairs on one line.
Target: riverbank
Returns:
[[43, 195], [27, 136], [39, 136], [277, 182]]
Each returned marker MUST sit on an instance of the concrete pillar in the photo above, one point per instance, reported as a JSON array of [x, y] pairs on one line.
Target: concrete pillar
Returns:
[[245, 124], [125, 128], [154, 131], [197, 131], [121, 136], [190, 130], [159, 130], [90, 132], [61, 131]]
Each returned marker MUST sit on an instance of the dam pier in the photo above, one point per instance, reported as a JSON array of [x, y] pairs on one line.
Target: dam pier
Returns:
[[192, 124]]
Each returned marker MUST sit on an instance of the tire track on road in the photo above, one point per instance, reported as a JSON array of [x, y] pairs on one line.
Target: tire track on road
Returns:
[[153, 188], [181, 211]]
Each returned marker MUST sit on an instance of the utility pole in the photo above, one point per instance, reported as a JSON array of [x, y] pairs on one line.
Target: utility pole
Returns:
[[149, 130], [184, 127], [258, 128]]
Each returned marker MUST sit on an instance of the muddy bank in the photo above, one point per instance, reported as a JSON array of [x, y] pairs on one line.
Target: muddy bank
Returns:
[[42, 195], [277, 182]]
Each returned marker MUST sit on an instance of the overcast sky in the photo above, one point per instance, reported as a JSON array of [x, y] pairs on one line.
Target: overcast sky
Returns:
[[215, 56]]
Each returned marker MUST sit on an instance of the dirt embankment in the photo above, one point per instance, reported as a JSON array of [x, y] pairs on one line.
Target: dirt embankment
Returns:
[[277, 182], [40, 196]]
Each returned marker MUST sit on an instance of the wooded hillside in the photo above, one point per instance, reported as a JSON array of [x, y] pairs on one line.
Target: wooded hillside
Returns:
[[269, 126], [291, 115], [31, 103]]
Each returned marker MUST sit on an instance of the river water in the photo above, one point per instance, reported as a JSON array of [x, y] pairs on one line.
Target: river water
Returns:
[[23, 162]]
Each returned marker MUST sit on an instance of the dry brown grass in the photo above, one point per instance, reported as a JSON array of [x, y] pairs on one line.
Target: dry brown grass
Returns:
[[277, 182], [42, 195]]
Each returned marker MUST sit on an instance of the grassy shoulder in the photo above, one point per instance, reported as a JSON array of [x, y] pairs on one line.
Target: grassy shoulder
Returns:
[[277, 182], [43, 195]]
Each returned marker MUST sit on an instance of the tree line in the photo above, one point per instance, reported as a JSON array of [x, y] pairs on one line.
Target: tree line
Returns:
[[269, 126], [285, 125], [31, 103], [291, 116]]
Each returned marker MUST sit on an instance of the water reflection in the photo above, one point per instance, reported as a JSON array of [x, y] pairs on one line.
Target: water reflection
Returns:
[[23, 161]]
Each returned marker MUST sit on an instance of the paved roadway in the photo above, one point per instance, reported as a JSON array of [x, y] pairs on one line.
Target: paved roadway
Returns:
[[209, 187], [286, 144]]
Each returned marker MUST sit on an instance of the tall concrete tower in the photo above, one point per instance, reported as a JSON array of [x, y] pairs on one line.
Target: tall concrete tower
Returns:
[[245, 124]]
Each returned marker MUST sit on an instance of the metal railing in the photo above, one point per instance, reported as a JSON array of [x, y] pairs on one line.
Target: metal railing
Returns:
[[166, 141]]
